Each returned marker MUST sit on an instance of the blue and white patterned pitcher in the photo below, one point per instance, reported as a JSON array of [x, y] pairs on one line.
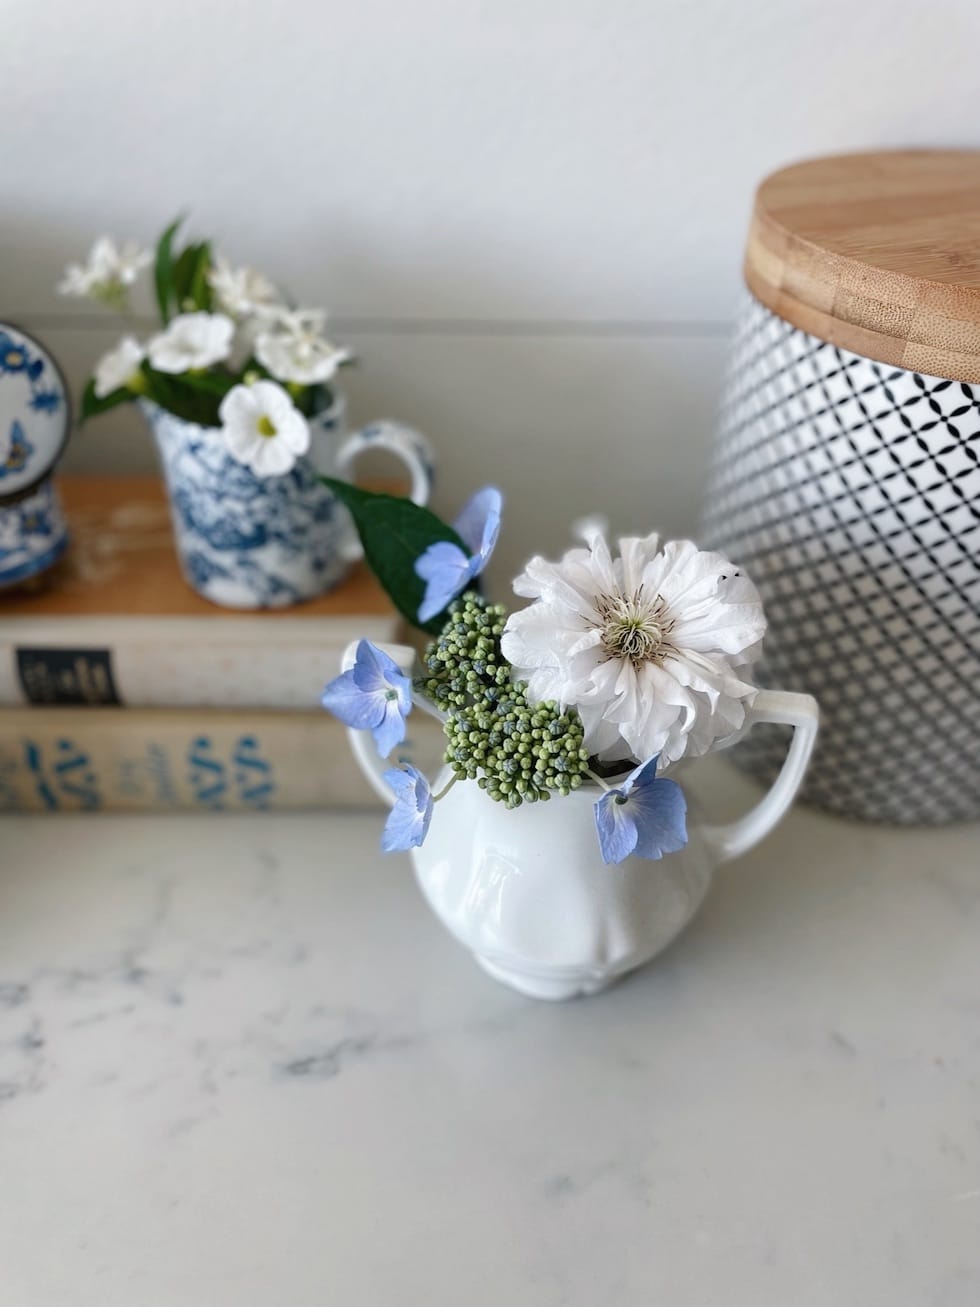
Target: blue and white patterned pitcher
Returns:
[[246, 541]]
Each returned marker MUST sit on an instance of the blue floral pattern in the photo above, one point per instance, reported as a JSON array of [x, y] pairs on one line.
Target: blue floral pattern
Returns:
[[33, 421], [33, 535], [251, 542], [17, 356], [46, 401], [18, 452]]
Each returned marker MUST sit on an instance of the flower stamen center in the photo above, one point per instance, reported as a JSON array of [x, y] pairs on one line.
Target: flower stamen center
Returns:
[[634, 628], [266, 426]]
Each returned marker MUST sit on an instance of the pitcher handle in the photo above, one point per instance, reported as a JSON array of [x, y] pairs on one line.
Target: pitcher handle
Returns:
[[407, 444], [802, 713], [362, 745]]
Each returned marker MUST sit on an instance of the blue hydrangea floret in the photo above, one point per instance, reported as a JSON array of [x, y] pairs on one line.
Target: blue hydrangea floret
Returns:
[[408, 820], [645, 815], [373, 695], [446, 570]]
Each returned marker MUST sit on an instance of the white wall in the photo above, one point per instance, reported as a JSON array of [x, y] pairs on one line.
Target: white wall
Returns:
[[526, 215]]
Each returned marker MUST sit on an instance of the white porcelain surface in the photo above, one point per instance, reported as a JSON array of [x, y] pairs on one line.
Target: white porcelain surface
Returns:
[[242, 1064], [526, 890]]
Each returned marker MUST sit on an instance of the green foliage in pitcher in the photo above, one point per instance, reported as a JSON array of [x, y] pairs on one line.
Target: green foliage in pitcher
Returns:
[[231, 353]]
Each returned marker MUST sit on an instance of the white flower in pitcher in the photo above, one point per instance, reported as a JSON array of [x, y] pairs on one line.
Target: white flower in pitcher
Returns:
[[284, 318], [263, 429], [108, 272], [241, 292], [648, 646], [118, 367], [192, 340], [294, 349]]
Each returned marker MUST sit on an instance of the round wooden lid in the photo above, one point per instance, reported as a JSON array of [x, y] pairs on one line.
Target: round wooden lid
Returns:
[[878, 253]]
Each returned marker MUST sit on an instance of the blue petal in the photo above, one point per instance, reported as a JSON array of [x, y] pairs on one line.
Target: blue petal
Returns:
[[391, 729], [403, 829], [660, 812], [615, 827], [646, 772], [402, 780], [347, 701], [408, 821], [478, 525], [424, 801], [375, 670], [446, 571]]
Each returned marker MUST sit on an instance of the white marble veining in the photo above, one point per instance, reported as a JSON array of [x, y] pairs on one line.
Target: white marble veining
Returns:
[[242, 1065]]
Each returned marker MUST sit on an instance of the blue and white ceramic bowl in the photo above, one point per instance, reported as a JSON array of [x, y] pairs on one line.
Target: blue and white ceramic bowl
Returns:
[[246, 541], [35, 418]]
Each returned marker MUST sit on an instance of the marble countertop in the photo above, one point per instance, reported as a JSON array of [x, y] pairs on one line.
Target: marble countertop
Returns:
[[242, 1065]]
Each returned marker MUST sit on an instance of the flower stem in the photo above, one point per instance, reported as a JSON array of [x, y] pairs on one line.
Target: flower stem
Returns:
[[445, 790], [599, 781]]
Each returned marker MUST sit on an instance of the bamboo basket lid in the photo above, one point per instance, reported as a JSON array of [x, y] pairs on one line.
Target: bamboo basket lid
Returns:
[[877, 253]]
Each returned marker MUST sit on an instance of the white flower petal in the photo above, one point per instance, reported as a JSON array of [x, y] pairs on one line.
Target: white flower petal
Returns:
[[130, 262], [108, 269], [647, 645], [239, 407], [192, 340], [241, 292], [568, 584], [116, 368], [530, 639], [634, 552], [291, 346], [262, 428]]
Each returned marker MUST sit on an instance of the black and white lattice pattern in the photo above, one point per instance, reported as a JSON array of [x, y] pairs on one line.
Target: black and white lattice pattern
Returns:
[[850, 492]]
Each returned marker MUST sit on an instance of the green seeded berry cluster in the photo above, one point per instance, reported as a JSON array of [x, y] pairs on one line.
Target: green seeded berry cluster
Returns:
[[515, 750], [465, 660]]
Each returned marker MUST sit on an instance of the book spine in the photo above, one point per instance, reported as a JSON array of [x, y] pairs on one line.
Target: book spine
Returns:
[[62, 760], [161, 674]]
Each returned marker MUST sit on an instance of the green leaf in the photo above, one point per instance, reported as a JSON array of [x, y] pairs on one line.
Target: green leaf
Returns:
[[190, 278], [212, 380], [163, 273], [311, 400], [201, 292], [92, 405], [195, 397], [394, 532]]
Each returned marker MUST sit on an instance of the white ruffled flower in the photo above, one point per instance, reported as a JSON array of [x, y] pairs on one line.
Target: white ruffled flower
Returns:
[[192, 340], [281, 317], [263, 429], [292, 346], [241, 292], [648, 647], [109, 271], [117, 368]]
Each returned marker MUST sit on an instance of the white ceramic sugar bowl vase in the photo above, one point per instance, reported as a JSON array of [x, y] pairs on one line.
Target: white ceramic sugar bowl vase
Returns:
[[527, 892]]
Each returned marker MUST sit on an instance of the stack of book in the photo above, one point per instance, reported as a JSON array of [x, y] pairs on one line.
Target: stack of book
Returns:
[[122, 688]]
